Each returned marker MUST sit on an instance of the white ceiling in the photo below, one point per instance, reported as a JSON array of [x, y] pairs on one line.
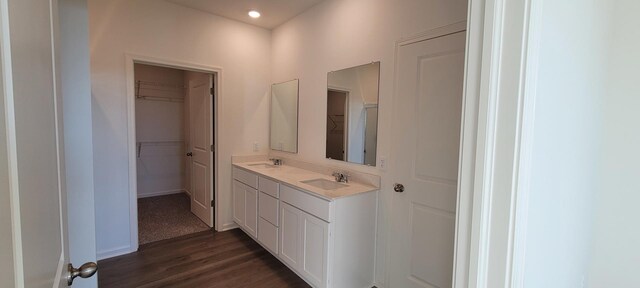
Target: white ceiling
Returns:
[[274, 12]]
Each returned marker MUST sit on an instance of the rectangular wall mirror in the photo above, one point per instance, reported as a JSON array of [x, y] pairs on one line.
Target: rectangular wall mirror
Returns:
[[352, 114], [284, 116]]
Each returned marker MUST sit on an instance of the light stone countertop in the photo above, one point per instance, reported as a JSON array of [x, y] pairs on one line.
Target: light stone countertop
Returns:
[[292, 176]]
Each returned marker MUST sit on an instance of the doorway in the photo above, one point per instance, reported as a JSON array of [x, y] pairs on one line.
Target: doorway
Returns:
[[174, 140], [337, 132], [427, 118]]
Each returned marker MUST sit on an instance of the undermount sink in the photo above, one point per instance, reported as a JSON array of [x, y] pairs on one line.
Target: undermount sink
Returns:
[[263, 165], [324, 184]]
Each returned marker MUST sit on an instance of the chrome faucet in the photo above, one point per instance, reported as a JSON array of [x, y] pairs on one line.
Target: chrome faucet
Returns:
[[276, 161], [342, 177]]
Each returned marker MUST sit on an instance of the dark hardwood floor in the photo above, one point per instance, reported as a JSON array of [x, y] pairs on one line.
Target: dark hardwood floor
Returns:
[[205, 259]]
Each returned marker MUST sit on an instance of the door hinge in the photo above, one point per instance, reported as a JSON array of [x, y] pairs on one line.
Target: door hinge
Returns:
[[213, 204], [212, 148], [211, 91]]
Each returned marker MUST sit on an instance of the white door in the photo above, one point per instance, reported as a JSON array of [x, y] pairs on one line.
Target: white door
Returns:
[[32, 147], [75, 84], [200, 131], [315, 236], [251, 211], [239, 195], [427, 115], [290, 235]]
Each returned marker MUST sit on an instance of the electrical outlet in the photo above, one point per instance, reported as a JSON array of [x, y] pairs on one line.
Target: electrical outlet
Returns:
[[383, 163], [256, 147]]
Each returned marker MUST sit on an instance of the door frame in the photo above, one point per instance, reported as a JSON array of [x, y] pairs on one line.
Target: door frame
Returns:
[[216, 74], [347, 113], [500, 83]]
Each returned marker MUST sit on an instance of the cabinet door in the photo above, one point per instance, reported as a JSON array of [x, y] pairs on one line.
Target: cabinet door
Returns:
[[238, 202], [315, 239], [251, 211], [290, 235]]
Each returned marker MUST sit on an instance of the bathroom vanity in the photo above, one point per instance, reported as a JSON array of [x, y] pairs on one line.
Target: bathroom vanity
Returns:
[[321, 229]]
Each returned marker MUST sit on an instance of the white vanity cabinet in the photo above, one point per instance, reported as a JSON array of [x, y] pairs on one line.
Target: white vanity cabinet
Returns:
[[304, 244], [329, 242], [245, 201], [268, 220]]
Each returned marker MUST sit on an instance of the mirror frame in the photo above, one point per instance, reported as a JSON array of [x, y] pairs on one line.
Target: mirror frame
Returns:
[[297, 116]]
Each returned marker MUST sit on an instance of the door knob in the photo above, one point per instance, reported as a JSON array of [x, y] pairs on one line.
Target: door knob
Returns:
[[398, 187], [85, 271], [189, 154]]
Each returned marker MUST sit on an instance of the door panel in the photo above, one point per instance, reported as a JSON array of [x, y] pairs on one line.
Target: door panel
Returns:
[[315, 233], [35, 148], [290, 220], [238, 202], [427, 115], [200, 108], [251, 211]]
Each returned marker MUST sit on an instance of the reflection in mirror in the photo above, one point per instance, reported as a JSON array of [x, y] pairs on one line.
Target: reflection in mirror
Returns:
[[284, 116], [352, 114]]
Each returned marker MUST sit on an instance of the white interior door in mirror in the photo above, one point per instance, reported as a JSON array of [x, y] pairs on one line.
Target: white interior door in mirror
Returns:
[[284, 116]]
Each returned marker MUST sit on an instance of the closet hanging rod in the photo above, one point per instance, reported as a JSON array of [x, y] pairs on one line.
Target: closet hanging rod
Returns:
[[159, 84], [158, 98]]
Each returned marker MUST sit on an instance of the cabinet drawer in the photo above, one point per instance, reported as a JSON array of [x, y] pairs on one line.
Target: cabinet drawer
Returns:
[[268, 208], [269, 186], [245, 177], [268, 235], [313, 205]]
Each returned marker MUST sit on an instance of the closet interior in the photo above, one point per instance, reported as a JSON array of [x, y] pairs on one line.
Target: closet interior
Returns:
[[162, 150]]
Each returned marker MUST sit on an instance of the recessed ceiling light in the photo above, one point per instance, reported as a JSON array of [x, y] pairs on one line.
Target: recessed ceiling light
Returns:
[[254, 14]]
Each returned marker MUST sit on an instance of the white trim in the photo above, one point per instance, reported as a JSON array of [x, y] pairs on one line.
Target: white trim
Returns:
[[529, 79], [433, 33], [130, 59], [122, 250], [59, 133], [12, 154], [229, 226], [61, 270], [468, 142], [162, 193], [506, 90]]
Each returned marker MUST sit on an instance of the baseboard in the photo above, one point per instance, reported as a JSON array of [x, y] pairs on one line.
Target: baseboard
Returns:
[[101, 255], [229, 226], [161, 193]]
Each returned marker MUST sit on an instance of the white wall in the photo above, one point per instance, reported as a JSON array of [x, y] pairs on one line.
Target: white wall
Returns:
[[160, 131], [164, 30], [567, 142], [337, 34], [616, 246]]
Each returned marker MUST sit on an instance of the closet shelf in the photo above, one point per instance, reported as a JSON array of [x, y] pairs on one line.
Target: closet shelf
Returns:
[[159, 88], [141, 144]]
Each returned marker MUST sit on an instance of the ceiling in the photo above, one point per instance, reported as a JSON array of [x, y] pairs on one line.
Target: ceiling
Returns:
[[274, 12]]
